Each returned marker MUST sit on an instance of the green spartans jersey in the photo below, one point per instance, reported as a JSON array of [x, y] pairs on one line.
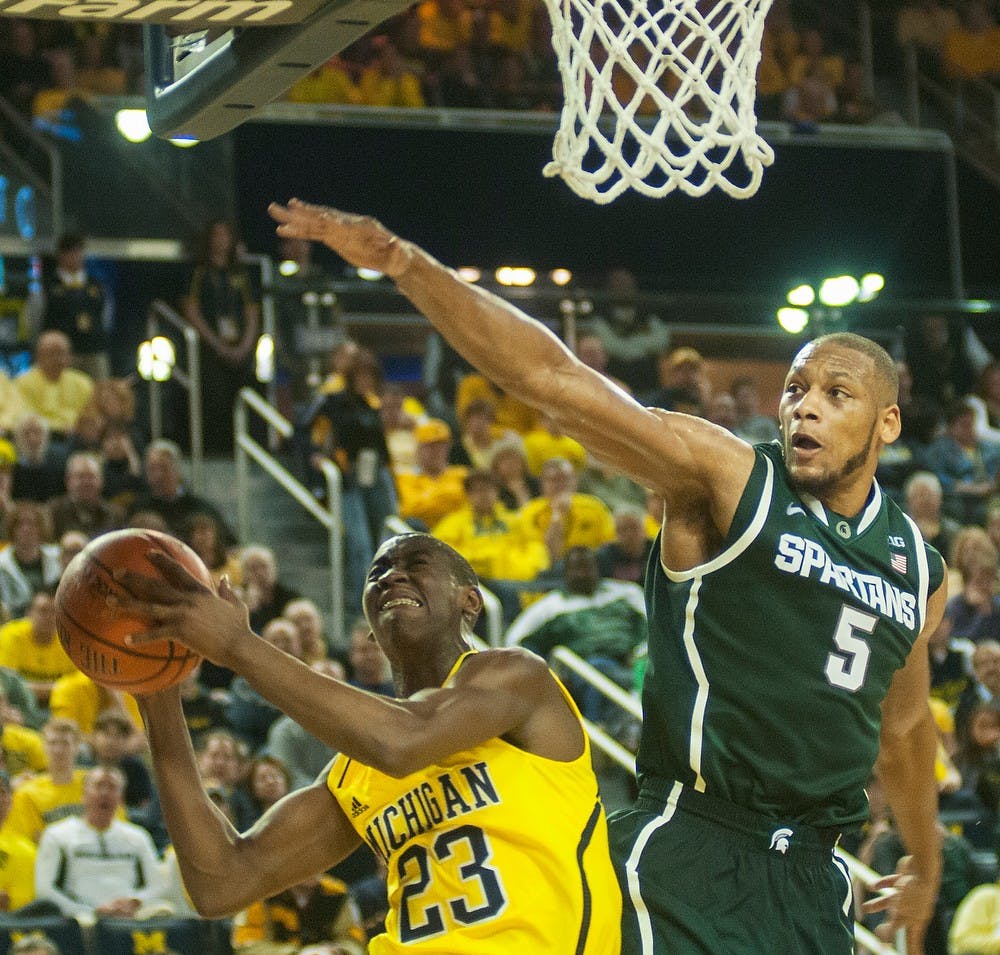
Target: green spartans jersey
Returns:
[[768, 664]]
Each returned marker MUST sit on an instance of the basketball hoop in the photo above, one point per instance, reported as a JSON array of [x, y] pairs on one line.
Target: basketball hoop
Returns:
[[689, 66]]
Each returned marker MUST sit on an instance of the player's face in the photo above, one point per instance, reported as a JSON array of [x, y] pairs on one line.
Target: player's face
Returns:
[[412, 590], [831, 423]]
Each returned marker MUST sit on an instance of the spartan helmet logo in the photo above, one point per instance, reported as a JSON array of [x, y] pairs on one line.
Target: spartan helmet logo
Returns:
[[779, 840]]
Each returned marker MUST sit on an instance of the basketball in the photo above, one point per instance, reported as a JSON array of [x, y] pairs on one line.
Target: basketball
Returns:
[[93, 633]]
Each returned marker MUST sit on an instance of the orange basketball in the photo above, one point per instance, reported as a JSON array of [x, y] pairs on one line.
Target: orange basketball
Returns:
[[93, 634]]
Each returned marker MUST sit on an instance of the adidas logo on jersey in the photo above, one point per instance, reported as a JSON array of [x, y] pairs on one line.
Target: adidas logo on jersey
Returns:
[[357, 807]]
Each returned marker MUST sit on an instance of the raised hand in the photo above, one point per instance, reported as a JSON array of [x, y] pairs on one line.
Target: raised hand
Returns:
[[360, 240]]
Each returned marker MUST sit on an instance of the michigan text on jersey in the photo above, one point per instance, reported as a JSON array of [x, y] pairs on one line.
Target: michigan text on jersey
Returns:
[[448, 796], [799, 555]]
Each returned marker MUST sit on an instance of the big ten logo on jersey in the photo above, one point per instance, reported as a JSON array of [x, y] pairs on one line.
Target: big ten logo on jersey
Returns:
[[193, 13]]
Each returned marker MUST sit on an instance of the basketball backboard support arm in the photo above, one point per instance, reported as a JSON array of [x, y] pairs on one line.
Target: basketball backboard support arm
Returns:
[[246, 68]]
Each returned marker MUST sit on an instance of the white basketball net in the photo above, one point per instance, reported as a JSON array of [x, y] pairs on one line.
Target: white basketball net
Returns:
[[688, 66]]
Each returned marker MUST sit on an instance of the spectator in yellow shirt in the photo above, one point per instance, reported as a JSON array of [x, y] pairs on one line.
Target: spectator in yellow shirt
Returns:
[[973, 50], [545, 442], [436, 488], [21, 746], [511, 413], [51, 388], [17, 857], [385, 79], [562, 518], [30, 647], [51, 795], [487, 535], [78, 698]]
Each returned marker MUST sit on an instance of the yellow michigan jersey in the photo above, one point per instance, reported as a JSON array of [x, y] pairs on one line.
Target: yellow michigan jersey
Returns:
[[492, 851]]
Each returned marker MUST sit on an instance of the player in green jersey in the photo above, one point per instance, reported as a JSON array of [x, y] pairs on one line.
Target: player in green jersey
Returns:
[[788, 644]]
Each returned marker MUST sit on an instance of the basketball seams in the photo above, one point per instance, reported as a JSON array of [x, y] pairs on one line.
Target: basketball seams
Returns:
[[95, 631]]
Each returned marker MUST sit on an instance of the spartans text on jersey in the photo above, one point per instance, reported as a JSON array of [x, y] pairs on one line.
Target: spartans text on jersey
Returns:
[[799, 555]]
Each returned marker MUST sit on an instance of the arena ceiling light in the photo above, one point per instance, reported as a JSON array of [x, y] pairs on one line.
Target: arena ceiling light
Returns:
[[156, 359], [469, 273], [839, 290], [264, 359], [802, 296], [519, 276], [560, 277], [793, 320], [369, 275], [288, 268], [871, 285], [133, 125]]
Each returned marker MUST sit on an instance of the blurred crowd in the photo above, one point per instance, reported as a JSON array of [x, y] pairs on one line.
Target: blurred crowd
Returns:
[[498, 54]]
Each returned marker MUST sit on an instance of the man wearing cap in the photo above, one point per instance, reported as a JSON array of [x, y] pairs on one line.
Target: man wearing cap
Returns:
[[436, 488], [683, 386]]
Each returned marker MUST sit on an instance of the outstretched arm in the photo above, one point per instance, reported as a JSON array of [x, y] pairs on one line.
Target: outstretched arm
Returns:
[[906, 769], [685, 459], [224, 871]]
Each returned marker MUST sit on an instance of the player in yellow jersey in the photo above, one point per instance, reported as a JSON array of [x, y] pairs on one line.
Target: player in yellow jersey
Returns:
[[475, 785]]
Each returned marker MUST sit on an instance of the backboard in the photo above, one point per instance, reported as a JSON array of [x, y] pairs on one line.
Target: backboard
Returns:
[[211, 63]]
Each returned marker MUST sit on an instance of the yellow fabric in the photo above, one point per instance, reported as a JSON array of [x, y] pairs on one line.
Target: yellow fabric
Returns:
[[513, 33], [973, 54], [58, 402], [79, 698], [12, 405], [375, 89], [975, 929], [39, 802], [255, 923], [651, 526], [494, 832], [925, 27], [510, 412], [22, 749], [329, 84], [588, 524], [430, 499], [943, 717], [36, 662], [541, 446], [496, 547], [440, 33], [17, 868]]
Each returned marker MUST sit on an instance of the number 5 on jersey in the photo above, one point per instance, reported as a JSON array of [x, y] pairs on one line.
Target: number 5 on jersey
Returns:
[[847, 666]]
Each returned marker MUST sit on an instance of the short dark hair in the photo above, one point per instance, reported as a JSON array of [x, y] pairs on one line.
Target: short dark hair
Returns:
[[459, 566], [885, 367]]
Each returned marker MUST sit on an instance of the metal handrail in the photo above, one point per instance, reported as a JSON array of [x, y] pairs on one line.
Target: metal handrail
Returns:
[[188, 378], [330, 516], [598, 680], [54, 185]]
